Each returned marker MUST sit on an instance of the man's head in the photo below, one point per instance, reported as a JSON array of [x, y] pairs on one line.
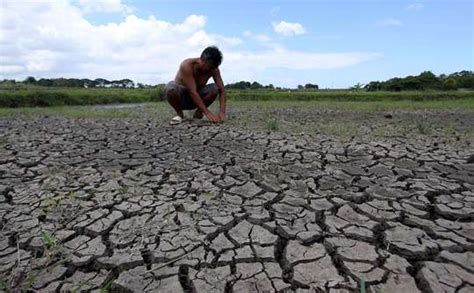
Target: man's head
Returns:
[[212, 56]]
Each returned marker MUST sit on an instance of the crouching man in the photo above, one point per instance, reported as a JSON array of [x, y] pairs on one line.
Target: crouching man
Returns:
[[189, 91]]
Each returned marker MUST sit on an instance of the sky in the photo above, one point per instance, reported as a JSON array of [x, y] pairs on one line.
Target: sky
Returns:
[[332, 43]]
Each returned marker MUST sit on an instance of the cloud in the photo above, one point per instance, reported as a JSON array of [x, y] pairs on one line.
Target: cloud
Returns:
[[415, 7], [105, 6], [54, 39], [288, 28], [257, 37], [274, 11], [390, 22], [298, 60], [251, 66]]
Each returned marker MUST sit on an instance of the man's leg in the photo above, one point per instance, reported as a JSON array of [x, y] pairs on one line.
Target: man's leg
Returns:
[[208, 95], [174, 99]]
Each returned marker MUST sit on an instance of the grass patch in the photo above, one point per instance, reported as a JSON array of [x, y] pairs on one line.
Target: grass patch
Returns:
[[46, 97], [359, 106], [344, 95], [272, 123], [34, 96], [69, 111]]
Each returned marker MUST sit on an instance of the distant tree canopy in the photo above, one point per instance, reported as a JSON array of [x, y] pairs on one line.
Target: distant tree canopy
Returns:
[[311, 86], [425, 81], [242, 85], [84, 83]]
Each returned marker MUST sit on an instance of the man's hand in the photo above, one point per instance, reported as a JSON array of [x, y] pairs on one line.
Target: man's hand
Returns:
[[221, 116], [212, 117]]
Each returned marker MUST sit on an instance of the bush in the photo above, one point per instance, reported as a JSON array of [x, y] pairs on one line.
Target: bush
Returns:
[[44, 97]]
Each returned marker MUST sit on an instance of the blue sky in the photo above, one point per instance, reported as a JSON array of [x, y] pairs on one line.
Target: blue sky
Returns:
[[334, 44]]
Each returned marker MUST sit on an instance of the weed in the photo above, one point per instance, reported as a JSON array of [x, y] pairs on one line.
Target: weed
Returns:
[[105, 288], [49, 203], [272, 124], [49, 240], [422, 127]]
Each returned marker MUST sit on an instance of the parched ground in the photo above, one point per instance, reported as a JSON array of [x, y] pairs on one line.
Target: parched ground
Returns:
[[136, 205]]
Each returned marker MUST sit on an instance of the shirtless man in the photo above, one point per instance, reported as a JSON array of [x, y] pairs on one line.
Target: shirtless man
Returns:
[[189, 91]]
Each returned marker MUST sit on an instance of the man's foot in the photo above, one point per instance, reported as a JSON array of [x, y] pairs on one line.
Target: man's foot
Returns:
[[176, 120], [198, 114]]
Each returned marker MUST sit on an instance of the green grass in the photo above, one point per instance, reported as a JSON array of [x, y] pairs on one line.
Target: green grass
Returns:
[[345, 95], [46, 97], [360, 106], [69, 111], [272, 123], [32, 96]]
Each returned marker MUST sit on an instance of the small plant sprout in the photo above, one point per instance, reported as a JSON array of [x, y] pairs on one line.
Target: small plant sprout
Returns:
[[273, 124]]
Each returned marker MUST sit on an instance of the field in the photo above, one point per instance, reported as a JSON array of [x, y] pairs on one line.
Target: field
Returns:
[[36, 96], [365, 193]]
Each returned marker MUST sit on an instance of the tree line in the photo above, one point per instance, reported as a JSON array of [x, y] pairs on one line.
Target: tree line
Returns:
[[243, 85], [80, 83], [424, 81]]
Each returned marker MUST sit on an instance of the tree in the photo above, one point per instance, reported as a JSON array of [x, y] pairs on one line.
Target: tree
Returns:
[[100, 82], [450, 84], [373, 86], [357, 87], [45, 82], [30, 80], [256, 85], [311, 86], [428, 80]]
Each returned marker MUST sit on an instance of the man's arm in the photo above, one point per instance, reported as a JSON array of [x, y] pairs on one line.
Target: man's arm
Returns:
[[190, 83], [222, 97]]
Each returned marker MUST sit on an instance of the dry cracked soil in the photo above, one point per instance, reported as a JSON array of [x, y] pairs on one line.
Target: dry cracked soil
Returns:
[[136, 206]]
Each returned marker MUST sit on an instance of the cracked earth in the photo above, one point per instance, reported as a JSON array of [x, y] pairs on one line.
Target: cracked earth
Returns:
[[130, 206]]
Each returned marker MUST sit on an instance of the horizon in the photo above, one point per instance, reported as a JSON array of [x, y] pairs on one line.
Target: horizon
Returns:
[[272, 42], [275, 86]]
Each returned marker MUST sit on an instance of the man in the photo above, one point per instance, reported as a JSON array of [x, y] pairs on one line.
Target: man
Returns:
[[189, 91]]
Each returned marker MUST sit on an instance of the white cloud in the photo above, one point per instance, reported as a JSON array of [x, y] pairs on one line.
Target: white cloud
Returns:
[[288, 28], [262, 38], [390, 22], [298, 60], [54, 39], [107, 6], [415, 7]]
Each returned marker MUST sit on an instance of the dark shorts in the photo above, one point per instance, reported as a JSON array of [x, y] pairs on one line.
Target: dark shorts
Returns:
[[184, 96]]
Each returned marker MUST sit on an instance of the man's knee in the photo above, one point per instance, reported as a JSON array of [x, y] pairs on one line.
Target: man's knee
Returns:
[[211, 93], [171, 94], [214, 90]]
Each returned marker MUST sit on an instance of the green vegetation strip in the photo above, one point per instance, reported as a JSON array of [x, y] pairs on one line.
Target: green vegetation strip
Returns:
[[308, 95], [69, 111], [360, 106], [44, 97], [36, 96]]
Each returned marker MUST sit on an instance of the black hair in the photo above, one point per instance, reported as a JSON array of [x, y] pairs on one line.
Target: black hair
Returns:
[[212, 55]]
